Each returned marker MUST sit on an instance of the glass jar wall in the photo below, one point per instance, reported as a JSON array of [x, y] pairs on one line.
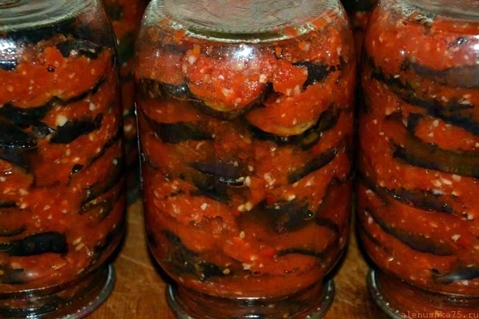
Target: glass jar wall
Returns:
[[245, 115], [125, 17], [62, 194], [359, 12], [419, 156]]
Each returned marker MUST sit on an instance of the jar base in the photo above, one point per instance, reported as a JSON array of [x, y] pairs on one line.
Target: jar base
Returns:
[[75, 301], [311, 303], [400, 300]]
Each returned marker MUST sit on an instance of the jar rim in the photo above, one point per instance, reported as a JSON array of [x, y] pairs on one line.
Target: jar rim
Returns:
[[460, 10], [25, 14], [245, 21]]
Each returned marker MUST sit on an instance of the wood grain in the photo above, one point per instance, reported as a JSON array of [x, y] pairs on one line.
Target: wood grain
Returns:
[[140, 290]]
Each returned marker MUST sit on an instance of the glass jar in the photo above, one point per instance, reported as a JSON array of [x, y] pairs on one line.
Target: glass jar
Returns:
[[359, 12], [125, 17], [418, 208], [61, 183], [245, 114]]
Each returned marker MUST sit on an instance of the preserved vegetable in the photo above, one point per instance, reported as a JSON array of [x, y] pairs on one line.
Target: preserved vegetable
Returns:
[[246, 131], [61, 158], [417, 192]]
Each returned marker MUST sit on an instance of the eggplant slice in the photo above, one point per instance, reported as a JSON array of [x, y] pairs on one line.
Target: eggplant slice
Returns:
[[224, 172], [318, 72], [418, 198], [327, 120], [459, 274], [174, 133], [72, 130], [315, 164], [416, 242], [185, 261], [280, 217], [49, 242], [452, 112], [153, 89], [465, 76], [26, 117], [13, 138]]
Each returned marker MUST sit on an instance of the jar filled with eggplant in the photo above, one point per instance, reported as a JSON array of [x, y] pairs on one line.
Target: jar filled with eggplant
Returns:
[[61, 158], [418, 208], [245, 114], [125, 17]]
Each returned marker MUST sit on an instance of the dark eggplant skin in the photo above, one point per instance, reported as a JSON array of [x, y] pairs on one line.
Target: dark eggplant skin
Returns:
[[464, 76], [174, 133], [12, 276], [153, 89], [224, 172], [116, 138], [289, 216], [72, 130], [12, 232], [45, 32], [301, 251], [78, 46], [19, 159], [105, 206], [231, 115], [280, 217], [329, 204], [422, 199], [182, 260], [13, 138], [315, 164], [446, 111], [463, 273], [8, 204], [115, 234], [415, 152], [317, 72], [363, 231], [26, 117], [116, 175], [416, 242], [429, 156], [327, 120], [211, 187], [149, 89], [37, 244], [179, 132]]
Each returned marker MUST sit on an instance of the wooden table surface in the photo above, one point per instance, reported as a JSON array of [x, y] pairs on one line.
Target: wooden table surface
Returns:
[[140, 291]]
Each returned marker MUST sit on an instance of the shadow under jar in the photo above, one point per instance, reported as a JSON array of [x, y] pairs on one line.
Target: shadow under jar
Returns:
[[62, 198], [418, 209], [246, 120]]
